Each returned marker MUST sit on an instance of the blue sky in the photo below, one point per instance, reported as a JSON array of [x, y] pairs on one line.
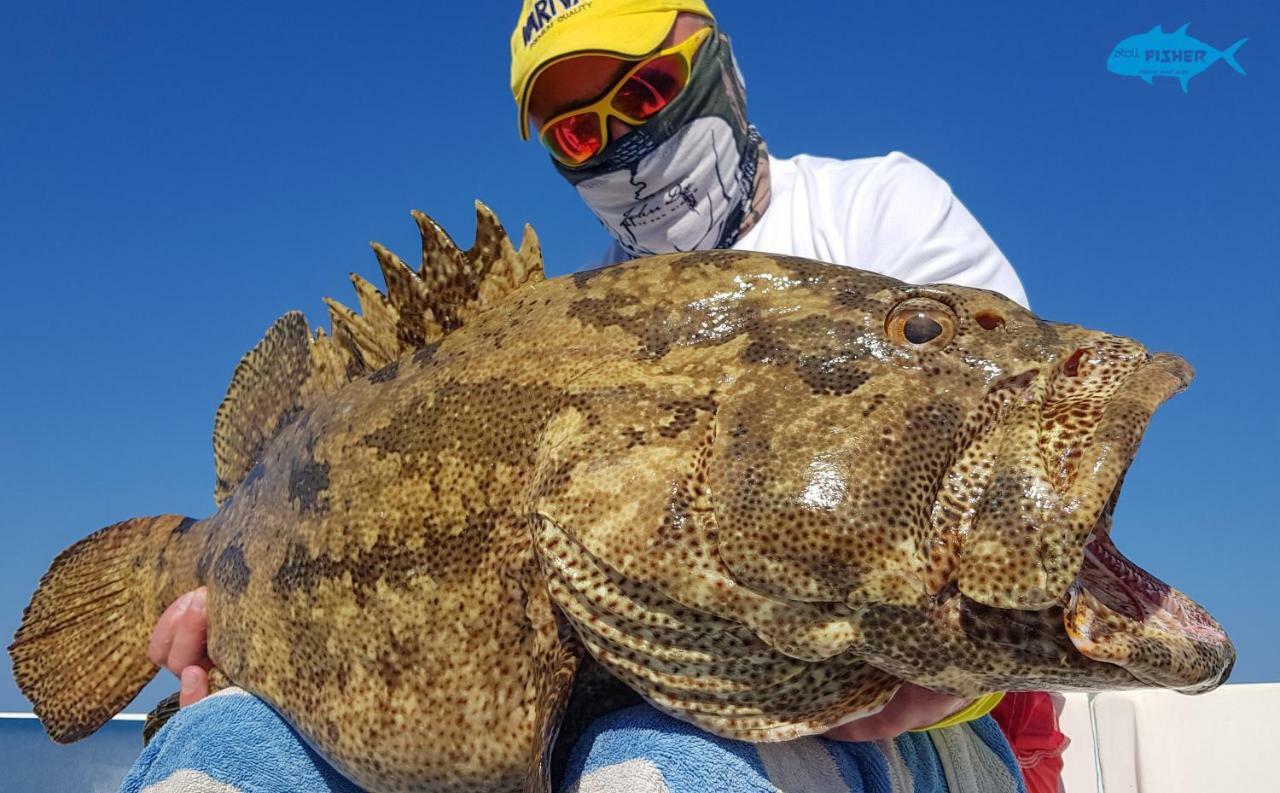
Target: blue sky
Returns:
[[172, 178]]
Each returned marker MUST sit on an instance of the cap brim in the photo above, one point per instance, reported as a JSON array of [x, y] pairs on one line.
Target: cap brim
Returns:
[[625, 36]]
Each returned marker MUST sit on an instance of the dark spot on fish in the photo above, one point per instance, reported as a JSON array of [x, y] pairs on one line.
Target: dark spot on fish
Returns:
[[581, 403], [719, 259], [805, 270], [426, 355], [307, 485], [831, 376], [855, 298], [386, 373], [649, 324], [449, 558], [876, 401], [824, 352], [418, 429], [1071, 368], [766, 350], [684, 414], [230, 571]]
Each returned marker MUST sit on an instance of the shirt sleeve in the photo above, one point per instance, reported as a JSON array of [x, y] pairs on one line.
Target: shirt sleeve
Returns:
[[915, 229]]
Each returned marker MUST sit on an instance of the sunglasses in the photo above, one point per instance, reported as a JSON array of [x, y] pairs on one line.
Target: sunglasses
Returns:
[[652, 84]]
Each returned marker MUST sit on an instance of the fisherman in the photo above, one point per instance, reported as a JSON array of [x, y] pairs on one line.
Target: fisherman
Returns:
[[642, 108]]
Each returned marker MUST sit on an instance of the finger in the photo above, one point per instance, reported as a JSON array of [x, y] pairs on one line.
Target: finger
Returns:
[[911, 708], [190, 630], [194, 686], [922, 706], [872, 728], [162, 635]]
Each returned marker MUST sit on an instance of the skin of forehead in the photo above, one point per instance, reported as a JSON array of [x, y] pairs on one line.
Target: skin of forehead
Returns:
[[579, 80]]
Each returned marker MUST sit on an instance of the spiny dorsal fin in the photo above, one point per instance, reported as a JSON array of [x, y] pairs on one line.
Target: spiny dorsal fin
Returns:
[[289, 370], [450, 288]]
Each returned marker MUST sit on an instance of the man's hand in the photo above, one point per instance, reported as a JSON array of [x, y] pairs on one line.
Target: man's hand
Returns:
[[911, 708], [178, 644]]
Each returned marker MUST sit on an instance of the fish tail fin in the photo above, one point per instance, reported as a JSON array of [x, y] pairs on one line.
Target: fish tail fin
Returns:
[[80, 654], [1229, 55]]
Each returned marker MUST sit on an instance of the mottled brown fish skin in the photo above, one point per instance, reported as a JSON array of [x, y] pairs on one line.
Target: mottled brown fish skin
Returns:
[[729, 477], [733, 479]]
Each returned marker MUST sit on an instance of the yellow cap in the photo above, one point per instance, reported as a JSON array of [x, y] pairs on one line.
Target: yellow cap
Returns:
[[551, 29]]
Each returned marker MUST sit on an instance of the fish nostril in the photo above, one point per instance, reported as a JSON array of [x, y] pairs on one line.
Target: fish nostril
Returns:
[[989, 320], [1071, 368]]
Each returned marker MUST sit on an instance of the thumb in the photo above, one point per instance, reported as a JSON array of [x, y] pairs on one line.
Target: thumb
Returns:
[[194, 686]]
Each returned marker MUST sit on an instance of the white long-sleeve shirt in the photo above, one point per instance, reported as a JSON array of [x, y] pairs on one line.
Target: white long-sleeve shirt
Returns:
[[889, 214]]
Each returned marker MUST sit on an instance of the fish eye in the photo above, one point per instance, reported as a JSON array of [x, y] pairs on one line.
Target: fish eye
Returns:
[[921, 323]]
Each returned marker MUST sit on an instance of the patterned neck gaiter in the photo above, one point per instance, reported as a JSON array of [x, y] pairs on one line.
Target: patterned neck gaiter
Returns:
[[694, 176]]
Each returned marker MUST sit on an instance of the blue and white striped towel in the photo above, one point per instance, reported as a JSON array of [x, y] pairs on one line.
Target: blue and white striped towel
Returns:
[[640, 750], [234, 743]]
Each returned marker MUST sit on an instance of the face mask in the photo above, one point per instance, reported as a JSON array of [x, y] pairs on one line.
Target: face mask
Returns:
[[688, 178]]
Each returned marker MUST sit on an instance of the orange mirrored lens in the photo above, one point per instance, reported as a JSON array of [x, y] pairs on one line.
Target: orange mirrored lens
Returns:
[[574, 139], [652, 87]]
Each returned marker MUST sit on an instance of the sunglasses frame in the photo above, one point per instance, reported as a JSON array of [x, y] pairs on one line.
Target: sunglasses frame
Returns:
[[603, 107]]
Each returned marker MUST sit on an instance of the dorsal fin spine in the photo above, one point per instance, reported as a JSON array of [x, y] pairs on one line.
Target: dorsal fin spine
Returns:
[[290, 370]]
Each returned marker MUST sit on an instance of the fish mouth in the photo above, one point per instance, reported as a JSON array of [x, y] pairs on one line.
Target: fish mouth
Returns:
[[1116, 612], [1066, 570], [1120, 614]]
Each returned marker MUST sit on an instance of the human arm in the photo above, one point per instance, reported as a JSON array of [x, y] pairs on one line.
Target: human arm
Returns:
[[912, 708]]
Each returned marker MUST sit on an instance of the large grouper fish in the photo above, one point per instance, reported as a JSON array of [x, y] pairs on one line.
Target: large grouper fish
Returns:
[[761, 491]]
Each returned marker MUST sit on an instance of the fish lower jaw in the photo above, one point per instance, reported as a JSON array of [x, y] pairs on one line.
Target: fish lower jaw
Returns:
[[1117, 613]]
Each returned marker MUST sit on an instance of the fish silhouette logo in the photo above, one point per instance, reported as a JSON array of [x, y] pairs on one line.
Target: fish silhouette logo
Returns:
[[1159, 54]]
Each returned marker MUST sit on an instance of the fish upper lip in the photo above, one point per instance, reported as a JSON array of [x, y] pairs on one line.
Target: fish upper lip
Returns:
[[1118, 586], [1110, 449], [1090, 498]]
